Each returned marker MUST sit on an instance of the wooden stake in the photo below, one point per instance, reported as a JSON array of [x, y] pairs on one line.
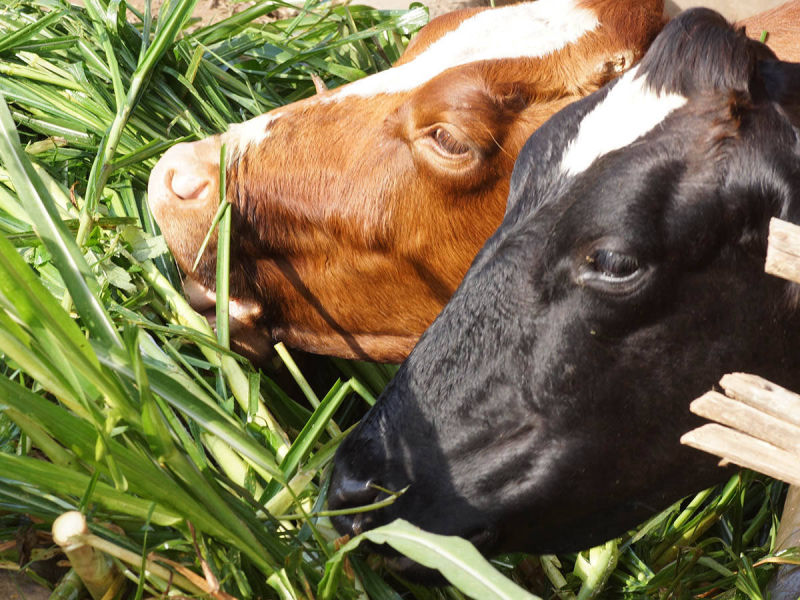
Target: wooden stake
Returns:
[[783, 251], [745, 451], [758, 422]]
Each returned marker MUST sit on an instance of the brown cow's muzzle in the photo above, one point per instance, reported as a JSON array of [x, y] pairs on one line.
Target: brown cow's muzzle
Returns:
[[184, 196], [184, 193]]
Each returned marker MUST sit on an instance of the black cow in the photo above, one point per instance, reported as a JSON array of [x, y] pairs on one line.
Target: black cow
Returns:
[[543, 408]]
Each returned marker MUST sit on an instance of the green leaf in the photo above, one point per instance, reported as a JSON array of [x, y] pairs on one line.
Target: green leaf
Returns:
[[26, 33], [455, 558]]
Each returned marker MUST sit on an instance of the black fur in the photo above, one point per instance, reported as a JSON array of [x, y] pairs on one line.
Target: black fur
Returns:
[[542, 409]]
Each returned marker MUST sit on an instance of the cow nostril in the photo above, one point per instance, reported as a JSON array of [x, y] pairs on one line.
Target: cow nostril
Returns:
[[188, 187], [352, 493], [348, 493]]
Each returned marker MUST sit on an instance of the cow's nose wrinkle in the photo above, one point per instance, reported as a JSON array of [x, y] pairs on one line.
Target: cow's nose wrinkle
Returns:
[[188, 186]]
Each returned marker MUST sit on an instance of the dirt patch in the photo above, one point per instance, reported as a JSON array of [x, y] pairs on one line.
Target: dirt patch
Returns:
[[206, 11], [14, 586], [210, 11]]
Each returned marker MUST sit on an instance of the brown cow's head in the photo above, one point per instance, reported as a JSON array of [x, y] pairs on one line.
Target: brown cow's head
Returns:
[[357, 212]]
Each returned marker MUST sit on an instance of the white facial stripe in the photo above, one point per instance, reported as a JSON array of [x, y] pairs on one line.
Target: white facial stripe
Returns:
[[240, 136], [528, 30], [629, 111], [531, 29]]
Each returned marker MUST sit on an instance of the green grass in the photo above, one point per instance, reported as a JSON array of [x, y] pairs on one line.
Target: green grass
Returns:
[[118, 400]]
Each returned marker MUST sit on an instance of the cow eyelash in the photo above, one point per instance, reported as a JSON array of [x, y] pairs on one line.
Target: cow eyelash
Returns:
[[448, 144], [613, 266], [612, 272]]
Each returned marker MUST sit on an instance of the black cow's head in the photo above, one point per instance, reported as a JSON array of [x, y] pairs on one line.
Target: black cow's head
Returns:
[[543, 408]]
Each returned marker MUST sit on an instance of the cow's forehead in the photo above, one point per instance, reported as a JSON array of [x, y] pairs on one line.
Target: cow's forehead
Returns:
[[528, 30]]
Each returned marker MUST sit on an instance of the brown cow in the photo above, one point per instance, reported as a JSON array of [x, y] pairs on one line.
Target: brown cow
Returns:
[[782, 25], [357, 212]]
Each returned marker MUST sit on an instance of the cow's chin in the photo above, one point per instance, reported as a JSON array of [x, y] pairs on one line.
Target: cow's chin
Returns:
[[247, 337]]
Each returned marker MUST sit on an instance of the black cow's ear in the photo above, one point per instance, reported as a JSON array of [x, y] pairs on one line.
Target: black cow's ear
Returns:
[[781, 84]]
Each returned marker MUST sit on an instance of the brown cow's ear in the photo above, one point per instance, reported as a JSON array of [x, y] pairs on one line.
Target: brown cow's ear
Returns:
[[513, 97]]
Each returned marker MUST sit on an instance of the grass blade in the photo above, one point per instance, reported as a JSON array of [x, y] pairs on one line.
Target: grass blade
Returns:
[[455, 558], [79, 279]]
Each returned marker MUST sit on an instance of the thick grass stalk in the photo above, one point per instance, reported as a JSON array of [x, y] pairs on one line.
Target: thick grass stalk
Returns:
[[668, 550], [235, 377], [320, 421], [96, 570], [70, 587], [288, 494], [223, 258], [597, 568], [134, 561]]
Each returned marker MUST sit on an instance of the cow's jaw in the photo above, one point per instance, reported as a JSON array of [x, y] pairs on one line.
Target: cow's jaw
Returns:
[[247, 334]]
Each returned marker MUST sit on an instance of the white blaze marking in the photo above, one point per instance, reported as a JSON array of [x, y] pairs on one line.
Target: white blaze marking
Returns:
[[629, 111], [528, 30]]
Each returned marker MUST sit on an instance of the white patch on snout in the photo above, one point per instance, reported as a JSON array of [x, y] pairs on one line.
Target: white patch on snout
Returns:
[[528, 30], [241, 136], [630, 110]]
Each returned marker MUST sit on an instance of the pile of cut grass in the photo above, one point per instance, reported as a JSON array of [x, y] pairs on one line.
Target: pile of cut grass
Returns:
[[117, 400]]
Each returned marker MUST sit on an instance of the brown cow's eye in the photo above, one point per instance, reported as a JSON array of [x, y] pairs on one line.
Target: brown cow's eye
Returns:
[[448, 144]]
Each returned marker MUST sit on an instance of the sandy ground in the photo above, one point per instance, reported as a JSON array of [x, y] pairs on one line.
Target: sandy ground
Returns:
[[213, 10], [19, 587], [209, 11]]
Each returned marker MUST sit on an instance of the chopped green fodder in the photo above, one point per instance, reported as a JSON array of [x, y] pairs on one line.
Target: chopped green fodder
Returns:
[[118, 400]]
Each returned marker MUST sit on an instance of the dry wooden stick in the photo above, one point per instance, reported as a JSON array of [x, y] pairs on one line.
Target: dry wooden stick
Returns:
[[739, 415], [783, 250], [759, 421], [752, 429]]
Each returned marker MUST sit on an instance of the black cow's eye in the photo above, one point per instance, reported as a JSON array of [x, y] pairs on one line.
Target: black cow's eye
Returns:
[[612, 265], [612, 272], [448, 143]]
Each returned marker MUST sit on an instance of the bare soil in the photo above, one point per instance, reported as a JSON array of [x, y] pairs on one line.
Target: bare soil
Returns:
[[209, 11], [19, 587]]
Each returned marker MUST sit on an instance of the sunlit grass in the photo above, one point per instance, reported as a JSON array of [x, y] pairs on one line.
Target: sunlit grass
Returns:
[[118, 400]]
